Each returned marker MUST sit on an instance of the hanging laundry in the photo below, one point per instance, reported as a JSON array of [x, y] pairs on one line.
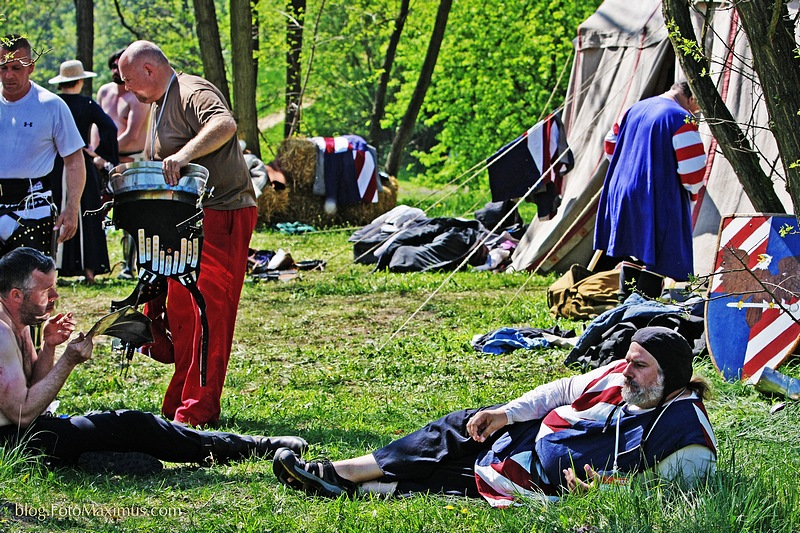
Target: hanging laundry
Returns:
[[541, 152], [346, 171]]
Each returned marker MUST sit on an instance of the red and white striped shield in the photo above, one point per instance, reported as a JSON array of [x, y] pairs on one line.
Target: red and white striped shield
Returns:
[[753, 308]]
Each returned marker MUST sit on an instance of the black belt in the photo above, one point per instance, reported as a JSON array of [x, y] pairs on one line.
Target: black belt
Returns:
[[13, 190]]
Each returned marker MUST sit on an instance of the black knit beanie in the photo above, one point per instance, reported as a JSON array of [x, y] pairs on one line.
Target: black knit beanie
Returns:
[[671, 350]]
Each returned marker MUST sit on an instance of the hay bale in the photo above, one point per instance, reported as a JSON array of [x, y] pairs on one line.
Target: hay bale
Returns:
[[362, 214], [272, 204], [309, 208], [297, 158]]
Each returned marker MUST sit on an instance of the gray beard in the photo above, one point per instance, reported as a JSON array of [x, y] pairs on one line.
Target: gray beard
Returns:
[[633, 394]]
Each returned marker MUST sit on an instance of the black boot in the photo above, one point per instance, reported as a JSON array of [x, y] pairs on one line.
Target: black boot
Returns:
[[318, 478], [225, 447]]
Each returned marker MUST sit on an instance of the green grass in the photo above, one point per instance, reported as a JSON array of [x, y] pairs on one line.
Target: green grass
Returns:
[[333, 356]]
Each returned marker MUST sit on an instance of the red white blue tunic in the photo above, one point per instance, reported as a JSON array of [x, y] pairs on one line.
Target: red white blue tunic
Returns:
[[583, 421], [657, 167]]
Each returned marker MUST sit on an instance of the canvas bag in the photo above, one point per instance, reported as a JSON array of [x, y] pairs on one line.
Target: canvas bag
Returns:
[[582, 294]]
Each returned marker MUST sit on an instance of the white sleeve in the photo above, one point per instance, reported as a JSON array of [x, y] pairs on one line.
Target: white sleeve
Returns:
[[537, 403], [691, 464]]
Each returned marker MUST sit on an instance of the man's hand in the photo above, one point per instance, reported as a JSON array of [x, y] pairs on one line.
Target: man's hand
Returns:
[[171, 167], [484, 423], [577, 485], [58, 329], [99, 162], [67, 224], [212, 136], [79, 350]]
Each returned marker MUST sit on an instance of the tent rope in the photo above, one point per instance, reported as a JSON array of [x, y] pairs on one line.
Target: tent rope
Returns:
[[586, 85]]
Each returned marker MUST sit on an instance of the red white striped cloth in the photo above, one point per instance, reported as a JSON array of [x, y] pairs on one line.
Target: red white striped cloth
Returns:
[[691, 157]]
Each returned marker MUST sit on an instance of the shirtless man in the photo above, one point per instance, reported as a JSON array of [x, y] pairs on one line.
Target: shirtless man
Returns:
[[130, 115], [30, 379]]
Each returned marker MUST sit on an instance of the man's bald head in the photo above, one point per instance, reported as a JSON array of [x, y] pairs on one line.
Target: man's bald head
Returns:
[[145, 52], [145, 70]]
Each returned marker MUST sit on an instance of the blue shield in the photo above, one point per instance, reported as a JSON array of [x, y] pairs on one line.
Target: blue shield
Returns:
[[752, 312]]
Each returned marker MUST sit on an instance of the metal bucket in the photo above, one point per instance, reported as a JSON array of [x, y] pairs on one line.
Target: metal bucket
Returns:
[[164, 220], [144, 180]]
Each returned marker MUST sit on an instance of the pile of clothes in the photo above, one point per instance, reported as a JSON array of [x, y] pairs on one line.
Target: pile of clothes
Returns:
[[607, 337], [268, 265], [405, 240]]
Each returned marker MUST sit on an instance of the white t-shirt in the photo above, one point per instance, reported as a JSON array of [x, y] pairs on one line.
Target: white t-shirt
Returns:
[[32, 131]]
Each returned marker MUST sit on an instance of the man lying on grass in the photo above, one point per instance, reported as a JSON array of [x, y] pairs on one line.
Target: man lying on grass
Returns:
[[642, 414], [120, 441]]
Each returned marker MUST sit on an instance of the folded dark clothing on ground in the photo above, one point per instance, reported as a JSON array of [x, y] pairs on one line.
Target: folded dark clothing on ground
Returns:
[[505, 340]]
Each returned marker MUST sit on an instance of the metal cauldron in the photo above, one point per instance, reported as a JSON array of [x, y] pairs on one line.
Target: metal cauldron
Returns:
[[144, 180]]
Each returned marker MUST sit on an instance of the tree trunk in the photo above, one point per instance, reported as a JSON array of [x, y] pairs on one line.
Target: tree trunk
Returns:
[[244, 82], [255, 45], [732, 141], [84, 26], [409, 119], [771, 34], [210, 47], [379, 108], [294, 42]]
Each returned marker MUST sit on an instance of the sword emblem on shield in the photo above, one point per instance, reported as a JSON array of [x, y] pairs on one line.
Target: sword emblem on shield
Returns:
[[753, 308]]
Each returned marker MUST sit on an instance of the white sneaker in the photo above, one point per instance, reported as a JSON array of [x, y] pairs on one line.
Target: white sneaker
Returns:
[[280, 261]]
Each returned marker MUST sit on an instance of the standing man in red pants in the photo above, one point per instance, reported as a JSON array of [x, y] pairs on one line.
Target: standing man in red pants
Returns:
[[192, 123]]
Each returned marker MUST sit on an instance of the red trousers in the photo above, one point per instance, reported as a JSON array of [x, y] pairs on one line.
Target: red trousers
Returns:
[[223, 263]]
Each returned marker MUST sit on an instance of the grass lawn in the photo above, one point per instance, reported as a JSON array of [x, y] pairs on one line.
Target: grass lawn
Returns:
[[333, 357]]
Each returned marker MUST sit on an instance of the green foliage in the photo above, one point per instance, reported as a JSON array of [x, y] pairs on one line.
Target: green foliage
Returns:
[[787, 229], [499, 70], [499, 66], [50, 25], [687, 47], [168, 23], [348, 51], [48, 30]]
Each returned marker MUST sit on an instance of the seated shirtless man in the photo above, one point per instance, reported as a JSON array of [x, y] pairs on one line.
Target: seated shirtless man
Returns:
[[30, 379]]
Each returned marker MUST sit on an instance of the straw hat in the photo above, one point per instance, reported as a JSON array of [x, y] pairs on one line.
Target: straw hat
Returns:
[[70, 71]]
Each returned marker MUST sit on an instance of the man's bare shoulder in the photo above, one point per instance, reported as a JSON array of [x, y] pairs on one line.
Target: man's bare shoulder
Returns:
[[9, 348], [107, 90], [133, 103]]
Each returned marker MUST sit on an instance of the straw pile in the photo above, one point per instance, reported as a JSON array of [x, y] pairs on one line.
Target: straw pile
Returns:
[[297, 158], [362, 214], [297, 203], [271, 204]]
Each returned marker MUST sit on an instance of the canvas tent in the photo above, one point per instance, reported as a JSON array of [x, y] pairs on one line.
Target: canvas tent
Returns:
[[623, 55]]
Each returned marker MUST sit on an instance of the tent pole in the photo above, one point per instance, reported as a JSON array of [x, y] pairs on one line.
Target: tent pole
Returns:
[[598, 254]]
